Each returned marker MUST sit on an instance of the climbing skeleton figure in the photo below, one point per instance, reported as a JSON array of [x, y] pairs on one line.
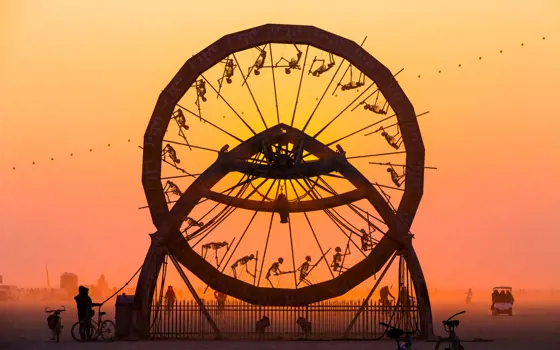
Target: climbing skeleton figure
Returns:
[[243, 261], [200, 86], [323, 67], [169, 151], [395, 177], [274, 270], [171, 188], [391, 140], [354, 84], [374, 108], [215, 246], [367, 241], [259, 63], [181, 121], [337, 259], [292, 63], [229, 69], [190, 223], [304, 271]]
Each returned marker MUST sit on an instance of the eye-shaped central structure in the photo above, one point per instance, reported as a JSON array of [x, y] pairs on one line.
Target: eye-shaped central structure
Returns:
[[282, 153]]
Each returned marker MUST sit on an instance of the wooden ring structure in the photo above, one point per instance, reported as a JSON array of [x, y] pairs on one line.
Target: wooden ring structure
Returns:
[[167, 222]]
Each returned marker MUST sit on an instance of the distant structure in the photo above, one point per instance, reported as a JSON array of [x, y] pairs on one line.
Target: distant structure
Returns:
[[102, 286], [278, 152], [69, 281]]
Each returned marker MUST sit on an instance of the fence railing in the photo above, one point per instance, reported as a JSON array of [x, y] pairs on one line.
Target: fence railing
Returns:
[[237, 319]]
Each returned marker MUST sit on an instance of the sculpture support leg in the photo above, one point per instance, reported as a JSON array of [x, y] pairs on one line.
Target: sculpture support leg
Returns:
[[140, 325], [422, 296]]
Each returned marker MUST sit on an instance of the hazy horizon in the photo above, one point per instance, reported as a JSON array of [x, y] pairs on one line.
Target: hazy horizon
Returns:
[[82, 75]]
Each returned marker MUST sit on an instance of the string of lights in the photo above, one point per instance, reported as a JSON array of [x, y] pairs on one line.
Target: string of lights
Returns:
[[440, 71]]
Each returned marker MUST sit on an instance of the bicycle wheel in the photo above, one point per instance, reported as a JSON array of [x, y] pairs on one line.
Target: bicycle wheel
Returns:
[[108, 330], [76, 332]]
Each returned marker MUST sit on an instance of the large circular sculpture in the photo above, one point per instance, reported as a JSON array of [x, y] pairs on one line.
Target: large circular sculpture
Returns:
[[272, 162]]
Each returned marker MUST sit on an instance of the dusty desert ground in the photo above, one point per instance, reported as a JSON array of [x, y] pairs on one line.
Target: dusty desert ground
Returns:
[[535, 324]]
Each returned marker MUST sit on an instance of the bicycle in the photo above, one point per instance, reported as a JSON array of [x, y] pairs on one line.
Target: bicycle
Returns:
[[104, 329], [454, 343], [54, 321], [396, 334]]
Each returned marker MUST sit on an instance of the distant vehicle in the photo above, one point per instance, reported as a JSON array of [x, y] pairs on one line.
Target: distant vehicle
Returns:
[[502, 301]]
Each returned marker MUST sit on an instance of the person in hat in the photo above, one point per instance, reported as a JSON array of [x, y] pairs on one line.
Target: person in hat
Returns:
[[85, 311]]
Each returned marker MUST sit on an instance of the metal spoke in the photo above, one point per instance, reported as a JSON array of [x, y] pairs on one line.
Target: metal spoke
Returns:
[[292, 246], [299, 87], [376, 155], [230, 107], [266, 245], [403, 165], [192, 146], [397, 123], [313, 231], [344, 110], [209, 122], [274, 84], [250, 92]]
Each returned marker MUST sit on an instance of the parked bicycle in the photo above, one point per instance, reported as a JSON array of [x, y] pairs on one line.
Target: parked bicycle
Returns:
[[396, 334], [54, 321], [94, 330], [452, 342]]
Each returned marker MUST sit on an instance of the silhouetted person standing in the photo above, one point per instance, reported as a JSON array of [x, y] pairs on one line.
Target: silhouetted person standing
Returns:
[[509, 297], [495, 297], [384, 295], [404, 296], [502, 297], [469, 296], [170, 297], [85, 311], [221, 298]]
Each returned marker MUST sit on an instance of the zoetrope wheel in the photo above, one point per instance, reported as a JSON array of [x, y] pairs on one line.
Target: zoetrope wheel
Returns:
[[273, 159]]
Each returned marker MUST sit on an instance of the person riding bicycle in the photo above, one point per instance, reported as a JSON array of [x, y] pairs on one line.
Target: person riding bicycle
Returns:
[[85, 311]]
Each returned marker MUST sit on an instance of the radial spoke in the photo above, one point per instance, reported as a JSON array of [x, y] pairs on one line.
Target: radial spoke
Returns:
[[403, 165], [230, 107], [293, 254], [178, 176], [274, 84], [317, 196], [176, 167], [299, 86], [313, 232], [243, 235], [192, 146], [397, 123], [327, 89], [219, 218], [212, 124], [250, 92], [376, 155], [237, 244], [266, 245], [354, 208], [344, 110]]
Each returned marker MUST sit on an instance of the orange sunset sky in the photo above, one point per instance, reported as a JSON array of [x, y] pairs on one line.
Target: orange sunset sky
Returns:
[[79, 75]]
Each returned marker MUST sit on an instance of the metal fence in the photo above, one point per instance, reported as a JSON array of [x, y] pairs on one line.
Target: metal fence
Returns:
[[237, 320]]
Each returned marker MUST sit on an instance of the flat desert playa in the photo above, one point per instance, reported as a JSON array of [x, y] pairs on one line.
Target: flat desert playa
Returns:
[[534, 325]]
